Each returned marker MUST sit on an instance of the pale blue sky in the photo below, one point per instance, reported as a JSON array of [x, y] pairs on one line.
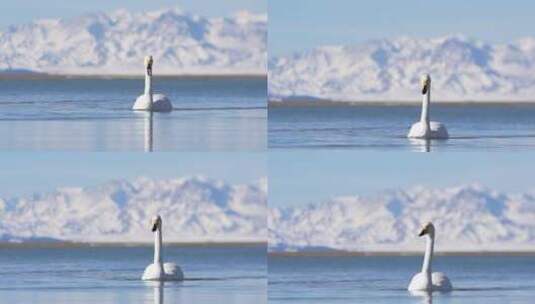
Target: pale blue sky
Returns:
[[23, 11], [24, 173], [310, 176], [303, 24]]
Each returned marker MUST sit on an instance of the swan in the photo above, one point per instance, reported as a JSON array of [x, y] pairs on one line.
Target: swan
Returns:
[[158, 271], [426, 280], [424, 128], [149, 101]]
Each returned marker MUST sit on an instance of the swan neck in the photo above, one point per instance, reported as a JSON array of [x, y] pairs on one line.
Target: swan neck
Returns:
[[426, 100], [428, 257], [158, 246], [148, 83]]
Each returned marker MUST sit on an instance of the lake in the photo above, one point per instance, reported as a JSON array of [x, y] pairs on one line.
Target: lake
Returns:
[[384, 279], [233, 274], [471, 127], [95, 115]]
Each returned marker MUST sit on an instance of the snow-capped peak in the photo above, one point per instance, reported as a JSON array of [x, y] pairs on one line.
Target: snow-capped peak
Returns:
[[100, 43], [196, 209], [467, 218], [462, 68]]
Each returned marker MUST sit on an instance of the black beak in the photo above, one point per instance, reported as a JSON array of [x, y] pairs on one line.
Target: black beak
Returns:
[[154, 227], [422, 232], [424, 89], [149, 69]]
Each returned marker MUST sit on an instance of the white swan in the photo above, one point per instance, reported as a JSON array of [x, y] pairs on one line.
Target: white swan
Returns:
[[424, 128], [426, 280], [158, 271], [149, 101]]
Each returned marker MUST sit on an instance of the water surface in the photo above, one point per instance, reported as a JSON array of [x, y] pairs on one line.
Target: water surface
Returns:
[[96, 115], [475, 279], [112, 275], [384, 127]]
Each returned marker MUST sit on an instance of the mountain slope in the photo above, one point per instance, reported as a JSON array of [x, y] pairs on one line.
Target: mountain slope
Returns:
[[116, 43], [467, 218], [192, 209], [462, 69]]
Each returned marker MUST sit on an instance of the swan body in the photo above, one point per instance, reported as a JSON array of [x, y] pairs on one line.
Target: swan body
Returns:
[[427, 280], [171, 272], [160, 103], [439, 282], [426, 129], [150, 101], [159, 271]]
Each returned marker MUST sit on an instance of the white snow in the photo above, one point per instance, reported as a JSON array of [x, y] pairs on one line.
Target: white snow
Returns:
[[462, 69], [193, 209], [467, 218], [116, 43]]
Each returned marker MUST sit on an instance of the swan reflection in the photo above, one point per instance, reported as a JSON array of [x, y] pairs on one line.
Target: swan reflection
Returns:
[[148, 131], [157, 291], [421, 145], [425, 296]]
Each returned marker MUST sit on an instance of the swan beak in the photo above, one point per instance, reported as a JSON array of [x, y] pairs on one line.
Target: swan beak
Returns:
[[423, 232], [149, 68], [424, 89], [154, 227]]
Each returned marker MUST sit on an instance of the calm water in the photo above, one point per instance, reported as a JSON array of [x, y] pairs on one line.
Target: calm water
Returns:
[[112, 275], [96, 115], [385, 279], [471, 127]]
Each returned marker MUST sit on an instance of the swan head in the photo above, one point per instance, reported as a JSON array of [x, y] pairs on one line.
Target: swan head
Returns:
[[148, 64], [425, 81], [156, 223], [428, 229]]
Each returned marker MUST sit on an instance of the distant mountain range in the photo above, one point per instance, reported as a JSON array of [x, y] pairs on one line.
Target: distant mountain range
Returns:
[[193, 210], [467, 218], [462, 69], [116, 43]]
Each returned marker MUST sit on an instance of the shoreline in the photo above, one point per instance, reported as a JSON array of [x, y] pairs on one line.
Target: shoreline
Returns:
[[44, 76], [64, 244], [334, 103], [326, 254]]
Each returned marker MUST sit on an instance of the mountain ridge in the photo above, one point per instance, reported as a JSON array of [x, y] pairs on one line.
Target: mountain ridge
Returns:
[[194, 209], [462, 69], [116, 43], [467, 218]]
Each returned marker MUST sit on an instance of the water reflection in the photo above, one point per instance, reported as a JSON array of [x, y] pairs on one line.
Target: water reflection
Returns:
[[425, 296], [148, 136], [157, 291], [421, 145]]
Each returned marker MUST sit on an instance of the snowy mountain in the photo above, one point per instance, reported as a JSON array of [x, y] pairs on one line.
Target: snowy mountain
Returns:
[[467, 218], [193, 210], [116, 43], [462, 69]]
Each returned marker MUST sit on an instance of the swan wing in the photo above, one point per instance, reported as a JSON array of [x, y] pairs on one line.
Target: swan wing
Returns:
[[438, 130], [418, 282], [142, 103], [417, 130], [161, 103], [151, 272], [173, 272], [440, 282]]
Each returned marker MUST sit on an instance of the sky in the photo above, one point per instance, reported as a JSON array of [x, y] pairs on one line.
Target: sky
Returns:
[[302, 24], [24, 173], [23, 11], [301, 177]]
